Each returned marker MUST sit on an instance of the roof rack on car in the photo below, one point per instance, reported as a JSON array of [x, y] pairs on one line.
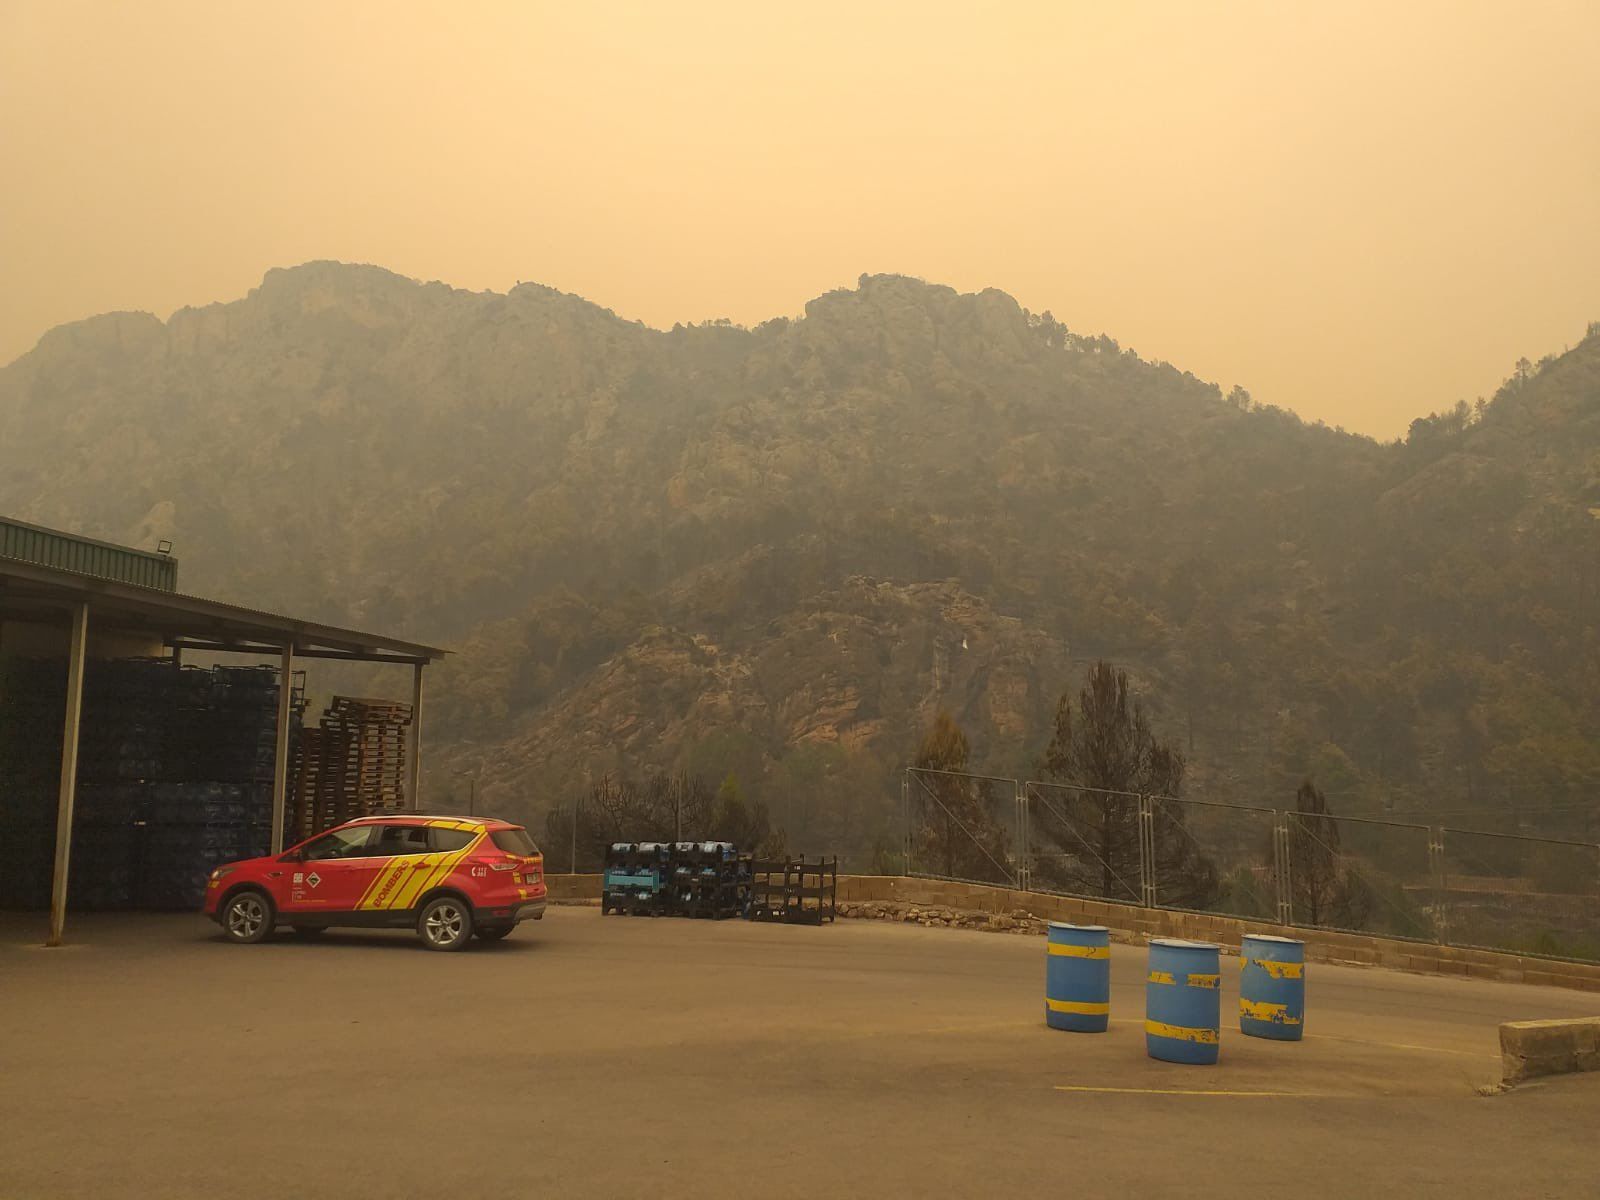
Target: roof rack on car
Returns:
[[441, 813]]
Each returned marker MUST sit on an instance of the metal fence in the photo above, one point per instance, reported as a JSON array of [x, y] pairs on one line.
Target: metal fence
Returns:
[[1498, 891], [961, 826]]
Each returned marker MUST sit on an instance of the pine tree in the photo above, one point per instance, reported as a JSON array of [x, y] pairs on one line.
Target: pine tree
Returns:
[[958, 835], [1108, 757], [1322, 891]]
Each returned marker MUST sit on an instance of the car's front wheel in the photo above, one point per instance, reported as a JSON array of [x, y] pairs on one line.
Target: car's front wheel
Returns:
[[445, 924], [247, 918]]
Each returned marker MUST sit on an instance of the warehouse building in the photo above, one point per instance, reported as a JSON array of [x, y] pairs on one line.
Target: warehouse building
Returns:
[[126, 772]]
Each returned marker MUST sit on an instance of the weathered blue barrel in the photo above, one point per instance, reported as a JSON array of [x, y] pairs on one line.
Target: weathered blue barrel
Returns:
[[1272, 987], [1183, 1002], [1077, 978]]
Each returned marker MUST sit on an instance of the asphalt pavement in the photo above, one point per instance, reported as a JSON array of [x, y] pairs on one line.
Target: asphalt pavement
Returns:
[[619, 1057]]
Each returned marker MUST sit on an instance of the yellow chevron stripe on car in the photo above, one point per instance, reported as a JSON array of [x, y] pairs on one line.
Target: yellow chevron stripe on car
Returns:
[[410, 875], [412, 887], [386, 883], [408, 896]]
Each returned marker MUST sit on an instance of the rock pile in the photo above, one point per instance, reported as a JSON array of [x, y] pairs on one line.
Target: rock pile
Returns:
[[1018, 920]]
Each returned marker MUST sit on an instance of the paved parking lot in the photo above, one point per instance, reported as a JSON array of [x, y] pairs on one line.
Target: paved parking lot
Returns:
[[619, 1057]]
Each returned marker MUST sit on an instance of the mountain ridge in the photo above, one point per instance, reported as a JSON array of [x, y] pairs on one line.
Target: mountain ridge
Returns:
[[629, 531]]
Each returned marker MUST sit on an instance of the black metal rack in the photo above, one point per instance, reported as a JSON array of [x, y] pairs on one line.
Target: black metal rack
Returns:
[[794, 891]]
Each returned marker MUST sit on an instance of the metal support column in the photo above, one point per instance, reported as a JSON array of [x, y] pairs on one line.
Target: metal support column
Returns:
[[280, 761], [69, 772], [414, 783]]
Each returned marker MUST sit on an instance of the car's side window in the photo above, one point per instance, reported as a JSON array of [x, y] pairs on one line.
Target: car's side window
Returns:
[[399, 839], [338, 843], [451, 839]]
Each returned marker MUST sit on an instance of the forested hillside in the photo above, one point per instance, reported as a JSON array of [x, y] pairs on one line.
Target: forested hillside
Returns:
[[779, 551]]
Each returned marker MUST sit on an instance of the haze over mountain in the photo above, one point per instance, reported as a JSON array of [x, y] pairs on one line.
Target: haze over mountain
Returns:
[[780, 550]]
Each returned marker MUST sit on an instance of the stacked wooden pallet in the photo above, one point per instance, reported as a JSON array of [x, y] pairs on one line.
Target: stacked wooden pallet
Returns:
[[352, 765], [302, 818]]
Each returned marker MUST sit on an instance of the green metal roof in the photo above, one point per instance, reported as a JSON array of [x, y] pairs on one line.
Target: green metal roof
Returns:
[[85, 556]]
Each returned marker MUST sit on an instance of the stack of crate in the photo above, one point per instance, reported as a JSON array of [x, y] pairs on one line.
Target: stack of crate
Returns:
[[174, 776], [635, 878], [709, 879], [32, 702], [680, 879], [214, 803], [352, 765]]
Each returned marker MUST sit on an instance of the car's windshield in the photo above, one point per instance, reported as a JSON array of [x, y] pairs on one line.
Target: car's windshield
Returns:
[[515, 841]]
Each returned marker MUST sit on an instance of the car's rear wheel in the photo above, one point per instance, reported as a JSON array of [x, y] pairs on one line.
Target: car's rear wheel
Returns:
[[445, 924], [247, 918], [493, 933]]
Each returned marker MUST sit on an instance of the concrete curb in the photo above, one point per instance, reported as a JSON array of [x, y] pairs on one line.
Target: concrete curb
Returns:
[[1529, 1049]]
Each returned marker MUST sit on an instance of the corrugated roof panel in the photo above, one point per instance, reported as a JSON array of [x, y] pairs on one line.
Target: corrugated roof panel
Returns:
[[86, 556]]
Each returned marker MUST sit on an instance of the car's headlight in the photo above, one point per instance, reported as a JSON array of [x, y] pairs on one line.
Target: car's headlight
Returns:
[[222, 873]]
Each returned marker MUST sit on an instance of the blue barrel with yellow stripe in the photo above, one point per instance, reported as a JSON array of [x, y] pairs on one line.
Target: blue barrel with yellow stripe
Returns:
[[1077, 978], [1183, 1002], [1272, 987]]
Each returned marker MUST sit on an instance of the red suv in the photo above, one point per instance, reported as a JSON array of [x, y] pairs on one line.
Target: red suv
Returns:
[[446, 877]]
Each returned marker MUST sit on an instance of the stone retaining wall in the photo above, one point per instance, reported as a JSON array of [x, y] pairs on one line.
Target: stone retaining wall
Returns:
[[979, 906], [572, 889], [871, 895]]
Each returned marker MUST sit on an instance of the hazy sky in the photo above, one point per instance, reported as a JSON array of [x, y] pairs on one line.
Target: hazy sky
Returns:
[[1360, 211]]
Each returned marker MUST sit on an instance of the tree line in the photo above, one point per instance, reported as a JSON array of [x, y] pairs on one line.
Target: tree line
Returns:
[[665, 807], [1108, 798]]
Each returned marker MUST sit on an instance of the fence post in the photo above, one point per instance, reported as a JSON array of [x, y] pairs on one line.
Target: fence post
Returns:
[[905, 821], [1281, 853], [1441, 885], [1147, 852], [1024, 860]]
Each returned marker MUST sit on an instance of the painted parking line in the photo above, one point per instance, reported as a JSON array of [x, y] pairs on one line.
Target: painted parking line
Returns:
[[1134, 1091], [1332, 1037]]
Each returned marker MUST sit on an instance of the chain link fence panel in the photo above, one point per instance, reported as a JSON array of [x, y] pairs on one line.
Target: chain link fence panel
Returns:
[[962, 827], [1523, 894], [1085, 842], [1215, 857], [1358, 875]]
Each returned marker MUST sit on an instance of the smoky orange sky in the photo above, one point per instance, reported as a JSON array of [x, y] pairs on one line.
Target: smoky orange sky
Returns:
[[1359, 211]]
